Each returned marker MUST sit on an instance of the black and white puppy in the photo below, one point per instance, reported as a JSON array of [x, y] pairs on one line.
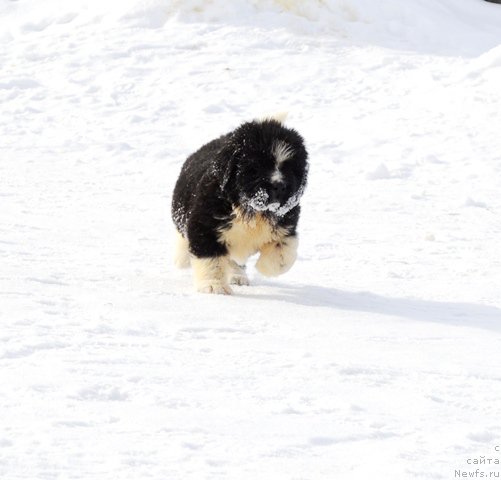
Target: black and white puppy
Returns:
[[236, 196]]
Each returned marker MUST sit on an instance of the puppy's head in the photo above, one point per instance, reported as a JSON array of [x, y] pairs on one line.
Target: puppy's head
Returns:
[[268, 167]]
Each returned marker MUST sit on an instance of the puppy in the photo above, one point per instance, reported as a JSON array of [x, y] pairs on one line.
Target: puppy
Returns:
[[238, 195]]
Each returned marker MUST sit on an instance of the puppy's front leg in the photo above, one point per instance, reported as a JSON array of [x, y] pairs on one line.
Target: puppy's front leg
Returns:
[[277, 257], [211, 274], [209, 257]]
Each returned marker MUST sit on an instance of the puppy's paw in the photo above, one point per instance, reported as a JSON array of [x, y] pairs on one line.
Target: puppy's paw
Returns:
[[217, 288], [210, 275], [237, 274], [239, 279], [277, 257]]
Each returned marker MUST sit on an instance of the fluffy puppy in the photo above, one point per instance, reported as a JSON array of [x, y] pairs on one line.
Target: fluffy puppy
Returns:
[[238, 195]]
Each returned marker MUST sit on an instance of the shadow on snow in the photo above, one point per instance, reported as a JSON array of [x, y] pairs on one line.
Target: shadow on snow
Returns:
[[448, 313]]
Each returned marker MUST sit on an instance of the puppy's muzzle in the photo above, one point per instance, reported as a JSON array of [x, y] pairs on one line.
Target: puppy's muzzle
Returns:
[[276, 193]]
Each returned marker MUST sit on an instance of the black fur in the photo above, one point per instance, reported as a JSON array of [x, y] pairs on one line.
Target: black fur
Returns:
[[229, 172]]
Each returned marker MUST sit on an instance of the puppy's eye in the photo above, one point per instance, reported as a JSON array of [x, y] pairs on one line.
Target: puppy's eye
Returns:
[[292, 170]]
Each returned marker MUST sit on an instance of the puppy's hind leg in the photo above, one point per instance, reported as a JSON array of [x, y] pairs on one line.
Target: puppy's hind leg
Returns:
[[181, 252], [237, 274]]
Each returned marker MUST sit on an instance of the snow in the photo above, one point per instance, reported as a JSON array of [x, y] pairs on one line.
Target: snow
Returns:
[[259, 202], [376, 357]]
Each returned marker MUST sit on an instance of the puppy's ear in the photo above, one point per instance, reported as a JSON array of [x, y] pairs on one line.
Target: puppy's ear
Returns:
[[279, 117]]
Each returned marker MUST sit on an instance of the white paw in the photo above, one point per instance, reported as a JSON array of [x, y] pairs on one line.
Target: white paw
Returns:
[[238, 279], [217, 288], [210, 275], [237, 275], [277, 257]]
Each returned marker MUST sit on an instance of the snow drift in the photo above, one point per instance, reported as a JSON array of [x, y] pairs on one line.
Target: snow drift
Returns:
[[441, 26]]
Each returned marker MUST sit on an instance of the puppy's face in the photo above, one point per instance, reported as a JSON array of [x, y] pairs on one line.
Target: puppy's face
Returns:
[[271, 170]]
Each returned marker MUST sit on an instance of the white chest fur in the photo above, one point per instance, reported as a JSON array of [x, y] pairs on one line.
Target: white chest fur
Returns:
[[245, 237]]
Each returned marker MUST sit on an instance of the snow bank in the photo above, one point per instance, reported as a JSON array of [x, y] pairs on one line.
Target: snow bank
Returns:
[[486, 62], [443, 26], [439, 26]]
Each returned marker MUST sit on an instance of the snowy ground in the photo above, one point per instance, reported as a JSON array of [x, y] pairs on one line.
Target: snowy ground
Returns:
[[378, 356]]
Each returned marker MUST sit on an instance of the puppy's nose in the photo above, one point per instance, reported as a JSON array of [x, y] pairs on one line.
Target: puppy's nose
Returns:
[[277, 191]]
